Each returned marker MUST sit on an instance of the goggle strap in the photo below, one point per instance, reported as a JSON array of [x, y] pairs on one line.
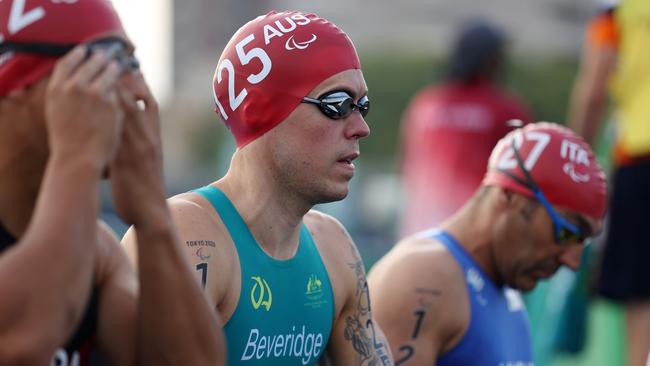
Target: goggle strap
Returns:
[[48, 49], [531, 183]]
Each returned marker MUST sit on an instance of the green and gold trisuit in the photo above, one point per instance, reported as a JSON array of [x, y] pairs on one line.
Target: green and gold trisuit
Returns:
[[286, 307]]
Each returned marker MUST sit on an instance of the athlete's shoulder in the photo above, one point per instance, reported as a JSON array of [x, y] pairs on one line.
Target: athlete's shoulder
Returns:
[[108, 249], [417, 288], [336, 247], [190, 203], [199, 225], [421, 244], [206, 242], [326, 227], [320, 218], [419, 258], [111, 258], [194, 214]]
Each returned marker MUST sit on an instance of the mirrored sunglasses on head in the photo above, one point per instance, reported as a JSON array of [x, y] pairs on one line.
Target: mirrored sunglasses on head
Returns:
[[339, 104], [564, 232], [115, 47]]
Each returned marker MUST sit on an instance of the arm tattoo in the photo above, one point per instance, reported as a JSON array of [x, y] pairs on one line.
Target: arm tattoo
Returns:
[[407, 351], [203, 267], [356, 333], [371, 351], [202, 250]]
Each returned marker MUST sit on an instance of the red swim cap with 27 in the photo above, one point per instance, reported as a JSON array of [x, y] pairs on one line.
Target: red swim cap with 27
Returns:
[[560, 162]]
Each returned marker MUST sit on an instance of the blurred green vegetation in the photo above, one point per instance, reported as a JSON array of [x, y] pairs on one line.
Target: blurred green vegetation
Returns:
[[544, 84], [208, 138]]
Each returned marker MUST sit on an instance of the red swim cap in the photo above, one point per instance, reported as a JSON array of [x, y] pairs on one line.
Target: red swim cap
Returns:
[[559, 161], [270, 64], [60, 22]]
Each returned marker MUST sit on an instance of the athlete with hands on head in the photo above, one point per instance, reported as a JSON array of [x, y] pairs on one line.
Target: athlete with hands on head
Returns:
[[448, 296], [288, 281], [69, 92]]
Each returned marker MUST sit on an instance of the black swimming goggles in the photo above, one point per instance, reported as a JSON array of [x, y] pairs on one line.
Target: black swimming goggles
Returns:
[[564, 231], [339, 104], [114, 46]]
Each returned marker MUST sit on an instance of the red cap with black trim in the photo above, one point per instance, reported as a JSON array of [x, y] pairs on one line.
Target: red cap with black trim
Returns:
[[60, 22]]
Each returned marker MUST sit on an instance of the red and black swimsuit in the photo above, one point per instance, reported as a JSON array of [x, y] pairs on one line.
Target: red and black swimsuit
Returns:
[[78, 349]]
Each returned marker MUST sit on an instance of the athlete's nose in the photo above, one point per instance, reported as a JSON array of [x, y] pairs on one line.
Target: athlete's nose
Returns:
[[356, 128], [571, 256]]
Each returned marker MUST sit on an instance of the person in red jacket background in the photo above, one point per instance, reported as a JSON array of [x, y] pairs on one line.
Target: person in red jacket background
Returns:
[[449, 129]]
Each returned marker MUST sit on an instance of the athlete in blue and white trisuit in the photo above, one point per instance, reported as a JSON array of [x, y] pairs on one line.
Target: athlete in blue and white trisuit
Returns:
[[447, 296]]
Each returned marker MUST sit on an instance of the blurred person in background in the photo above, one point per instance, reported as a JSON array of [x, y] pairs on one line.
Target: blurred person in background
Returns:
[[449, 296], [449, 129], [288, 281], [69, 94], [616, 49]]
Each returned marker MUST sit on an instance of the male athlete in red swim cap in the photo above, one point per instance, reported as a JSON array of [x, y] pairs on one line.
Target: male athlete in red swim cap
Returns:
[[446, 296], [288, 281], [68, 93]]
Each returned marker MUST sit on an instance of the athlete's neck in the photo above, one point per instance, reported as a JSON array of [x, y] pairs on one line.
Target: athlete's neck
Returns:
[[469, 227], [272, 213]]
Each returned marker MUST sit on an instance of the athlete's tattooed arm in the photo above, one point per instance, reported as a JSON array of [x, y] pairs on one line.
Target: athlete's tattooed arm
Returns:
[[355, 338], [420, 301], [406, 350], [196, 259], [361, 333]]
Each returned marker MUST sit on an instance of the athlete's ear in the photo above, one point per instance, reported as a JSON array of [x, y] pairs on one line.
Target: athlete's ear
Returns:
[[502, 197]]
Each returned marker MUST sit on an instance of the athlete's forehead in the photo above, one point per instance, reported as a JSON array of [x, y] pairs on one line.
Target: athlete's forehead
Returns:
[[350, 81]]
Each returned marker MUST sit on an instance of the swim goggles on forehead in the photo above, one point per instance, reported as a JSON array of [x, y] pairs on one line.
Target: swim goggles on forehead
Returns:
[[339, 104], [112, 45], [564, 231]]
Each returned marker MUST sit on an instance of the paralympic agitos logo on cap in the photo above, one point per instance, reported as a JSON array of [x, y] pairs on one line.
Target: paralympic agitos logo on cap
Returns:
[[293, 45], [577, 156]]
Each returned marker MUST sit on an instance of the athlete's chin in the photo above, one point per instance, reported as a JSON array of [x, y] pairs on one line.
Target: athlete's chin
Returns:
[[525, 284], [333, 194], [341, 190], [340, 196]]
